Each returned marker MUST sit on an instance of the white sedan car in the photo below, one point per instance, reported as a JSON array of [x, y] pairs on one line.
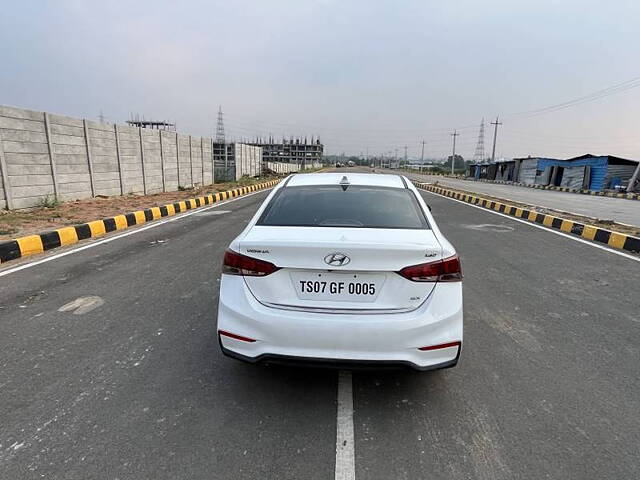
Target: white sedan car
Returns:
[[342, 269]]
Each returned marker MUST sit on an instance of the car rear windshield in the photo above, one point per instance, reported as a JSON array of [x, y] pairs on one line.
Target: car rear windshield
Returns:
[[334, 206]]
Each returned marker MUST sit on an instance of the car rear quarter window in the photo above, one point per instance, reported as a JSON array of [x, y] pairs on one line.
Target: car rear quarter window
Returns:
[[335, 206]]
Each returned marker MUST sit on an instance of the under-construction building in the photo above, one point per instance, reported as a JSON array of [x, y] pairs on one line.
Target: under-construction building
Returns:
[[232, 160], [287, 156], [136, 121], [295, 151]]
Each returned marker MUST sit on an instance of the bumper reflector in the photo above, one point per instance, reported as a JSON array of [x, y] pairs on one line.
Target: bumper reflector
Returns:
[[236, 337], [442, 345]]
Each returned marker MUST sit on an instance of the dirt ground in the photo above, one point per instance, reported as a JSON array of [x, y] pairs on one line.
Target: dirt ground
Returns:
[[18, 223], [608, 225]]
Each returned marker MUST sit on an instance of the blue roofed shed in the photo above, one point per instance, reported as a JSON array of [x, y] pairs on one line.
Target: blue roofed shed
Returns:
[[591, 172]]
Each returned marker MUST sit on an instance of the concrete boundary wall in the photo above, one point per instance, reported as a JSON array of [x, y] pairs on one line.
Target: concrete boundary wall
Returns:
[[45, 156], [64, 236], [248, 160], [282, 167]]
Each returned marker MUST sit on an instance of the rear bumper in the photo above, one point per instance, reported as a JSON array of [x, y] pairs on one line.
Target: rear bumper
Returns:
[[268, 358], [341, 340]]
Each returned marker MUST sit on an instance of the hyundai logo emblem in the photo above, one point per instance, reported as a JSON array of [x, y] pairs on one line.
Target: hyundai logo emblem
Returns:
[[337, 259]]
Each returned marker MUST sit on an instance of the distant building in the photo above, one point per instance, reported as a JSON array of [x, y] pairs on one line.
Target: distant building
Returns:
[[482, 171], [296, 151], [591, 172], [153, 124], [287, 156], [588, 172], [421, 166], [232, 161]]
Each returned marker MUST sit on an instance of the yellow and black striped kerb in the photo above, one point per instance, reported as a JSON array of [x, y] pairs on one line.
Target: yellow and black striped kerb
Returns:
[[628, 196], [589, 232], [32, 244]]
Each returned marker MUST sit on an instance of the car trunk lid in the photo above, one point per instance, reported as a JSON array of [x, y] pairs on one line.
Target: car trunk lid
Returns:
[[340, 269]]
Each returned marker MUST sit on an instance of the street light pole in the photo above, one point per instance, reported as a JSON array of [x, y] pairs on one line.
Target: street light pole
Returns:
[[495, 134], [453, 157]]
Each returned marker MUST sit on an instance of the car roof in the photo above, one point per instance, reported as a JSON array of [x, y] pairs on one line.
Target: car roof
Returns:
[[371, 179]]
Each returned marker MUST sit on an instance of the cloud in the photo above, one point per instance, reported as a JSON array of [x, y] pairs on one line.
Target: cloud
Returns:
[[361, 74]]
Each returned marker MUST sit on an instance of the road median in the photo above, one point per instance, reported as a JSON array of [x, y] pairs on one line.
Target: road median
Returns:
[[617, 240], [38, 243]]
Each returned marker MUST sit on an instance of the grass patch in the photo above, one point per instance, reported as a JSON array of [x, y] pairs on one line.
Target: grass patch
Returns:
[[49, 201]]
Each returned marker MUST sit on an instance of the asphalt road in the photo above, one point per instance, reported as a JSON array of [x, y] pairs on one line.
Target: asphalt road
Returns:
[[136, 388], [606, 208]]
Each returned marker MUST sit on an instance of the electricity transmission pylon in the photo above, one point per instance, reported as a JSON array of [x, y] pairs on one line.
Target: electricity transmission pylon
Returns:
[[220, 127], [478, 156]]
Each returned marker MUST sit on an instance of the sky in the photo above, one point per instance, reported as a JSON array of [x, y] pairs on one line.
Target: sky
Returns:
[[367, 76]]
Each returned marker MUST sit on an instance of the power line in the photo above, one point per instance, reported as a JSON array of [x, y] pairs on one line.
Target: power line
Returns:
[[348, 139], [355, 137], [368, 135], [279, 125], [547, 136], [605, 92], [602, 93], [516, 137]]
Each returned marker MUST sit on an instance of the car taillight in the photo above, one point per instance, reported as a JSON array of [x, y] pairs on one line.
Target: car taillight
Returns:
[[237, 264], [446, 270]]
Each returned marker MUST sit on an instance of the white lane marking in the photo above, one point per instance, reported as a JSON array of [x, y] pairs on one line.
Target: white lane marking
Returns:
[[125, 234], [215, 212], [562, 234], [490, 227], [345, 451]]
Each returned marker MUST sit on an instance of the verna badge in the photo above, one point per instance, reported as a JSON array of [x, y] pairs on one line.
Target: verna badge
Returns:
[[337, 259]]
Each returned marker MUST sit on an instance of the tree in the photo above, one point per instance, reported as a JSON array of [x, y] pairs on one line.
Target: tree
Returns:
[[459, 165]]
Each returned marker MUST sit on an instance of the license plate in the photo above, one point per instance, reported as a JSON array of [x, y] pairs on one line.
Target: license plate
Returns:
[[341, 287]]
